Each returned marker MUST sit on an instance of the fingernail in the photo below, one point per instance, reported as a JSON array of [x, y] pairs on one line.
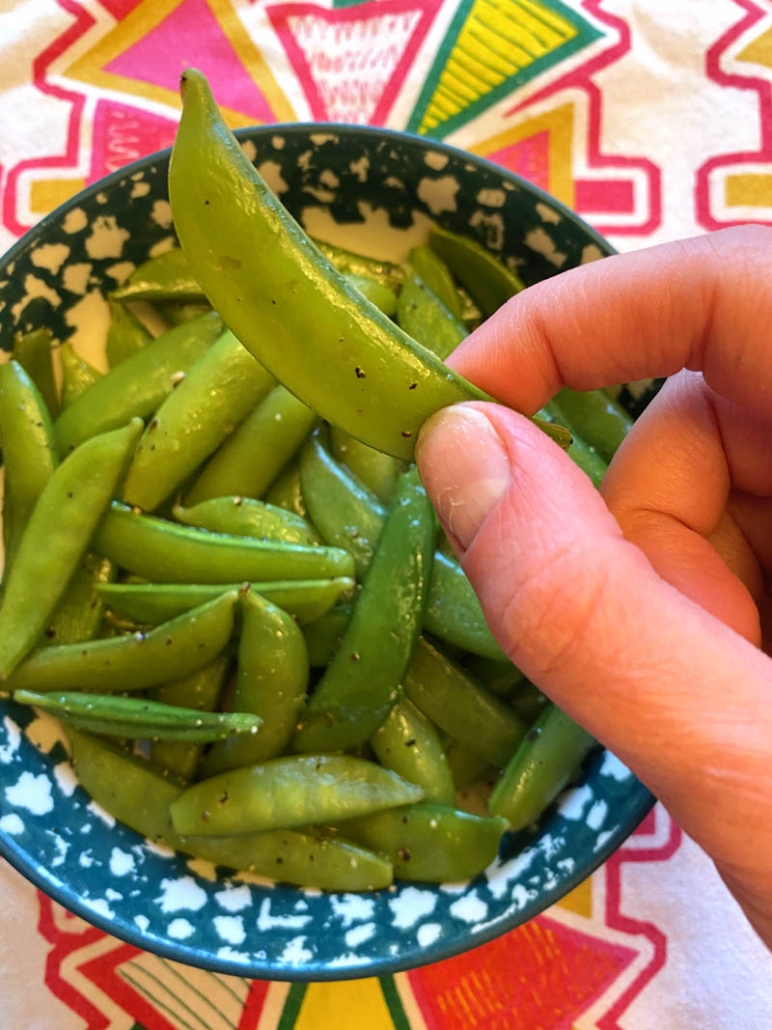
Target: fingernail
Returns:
[[464, 468]]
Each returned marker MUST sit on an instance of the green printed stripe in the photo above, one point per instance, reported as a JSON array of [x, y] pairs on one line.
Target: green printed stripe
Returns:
[[394, 1003]]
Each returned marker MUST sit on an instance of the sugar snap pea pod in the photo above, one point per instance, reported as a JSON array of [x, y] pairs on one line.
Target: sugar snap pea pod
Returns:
[[33, 351], [284, 792], [378, 294], [360, 685], [139, 384], [250, 460], [140, 796], [217, 393], [407, 743], [431, 843], [423, 316], [377, 471], [58, 532], [464, 709], [29, 452], [528, 701], [134, 662], [433, 271], [271, 683], [348, 515], [278, 292], [77, 374], [541, 767], [465, 766], [325, 634], [179, 312], [149, 604], [348, 262], [244, 516], [164, 551], [125, 336], [598, 420], [501, 678], [140, 718], [78, 616], [489, 281], [200, 691], [165, 277], [287, 491]]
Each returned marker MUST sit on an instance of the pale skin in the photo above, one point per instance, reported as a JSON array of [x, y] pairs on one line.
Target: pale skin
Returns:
[[643, 610]]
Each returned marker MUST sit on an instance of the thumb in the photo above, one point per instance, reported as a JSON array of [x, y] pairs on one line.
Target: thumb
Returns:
[[681, 698]]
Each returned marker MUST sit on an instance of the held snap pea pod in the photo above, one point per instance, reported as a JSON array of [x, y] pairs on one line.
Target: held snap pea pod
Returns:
[[165, 277], [409, 745], [245, 516], [217, 393], [77, 374], [166, 552], [29, 452], [141, 796], [271, 683], [133, 662], [361, 682], [431, 843], [139, 718], [200, 691], [306, 600], [250, 460], [541, 767], [139, 384], [125, 336], [285, 792], [33, 351], [287, 303], [462, 708], [489, 281], [56, 537]]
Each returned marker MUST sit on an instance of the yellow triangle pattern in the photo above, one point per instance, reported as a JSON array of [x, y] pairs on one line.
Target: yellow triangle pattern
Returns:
[[498, 39], [345, 1005], [759, 50]]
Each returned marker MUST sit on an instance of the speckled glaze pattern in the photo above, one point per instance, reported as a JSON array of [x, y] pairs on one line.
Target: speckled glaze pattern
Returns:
[[378, 190]]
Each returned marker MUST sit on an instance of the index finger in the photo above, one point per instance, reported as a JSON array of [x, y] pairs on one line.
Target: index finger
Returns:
[[702, 303]]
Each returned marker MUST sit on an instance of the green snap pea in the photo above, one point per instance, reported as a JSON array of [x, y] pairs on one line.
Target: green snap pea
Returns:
[[528, 701], [324, 635], [56, 537], [489, 281], [77, 374], [78, 616], [137, 386], [431, 843], [540, 768], [307, 600], [139, 718], [217, 393], [377, 471], [166, 552], [381, 296], [134, 662], [250, 460], [423, 316], [433, 271], [29, 452], [360, 685], [141, 797], [501, 678], [408, 743], [244, 516], [125, 336], [287, 491], [34, 352], [287, 792], [347, 262], [271, 683], [453, 611], [465, 766], [464, 709], [276, 291], [178, 312], [201, 691], [165, 277]]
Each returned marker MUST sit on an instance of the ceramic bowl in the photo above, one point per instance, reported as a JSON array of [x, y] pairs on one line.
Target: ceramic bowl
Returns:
[[377, 192]]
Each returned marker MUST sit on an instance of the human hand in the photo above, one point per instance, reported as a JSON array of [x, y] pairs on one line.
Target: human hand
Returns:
[[643, 610]]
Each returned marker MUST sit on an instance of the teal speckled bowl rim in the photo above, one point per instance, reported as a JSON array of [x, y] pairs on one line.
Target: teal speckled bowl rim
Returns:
[[606, 785]]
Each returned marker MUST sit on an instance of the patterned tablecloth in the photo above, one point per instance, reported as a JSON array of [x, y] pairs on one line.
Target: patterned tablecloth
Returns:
[[651, 118]]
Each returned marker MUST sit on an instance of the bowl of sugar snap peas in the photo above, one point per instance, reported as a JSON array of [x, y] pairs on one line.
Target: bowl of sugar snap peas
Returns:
[[253, 717]]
